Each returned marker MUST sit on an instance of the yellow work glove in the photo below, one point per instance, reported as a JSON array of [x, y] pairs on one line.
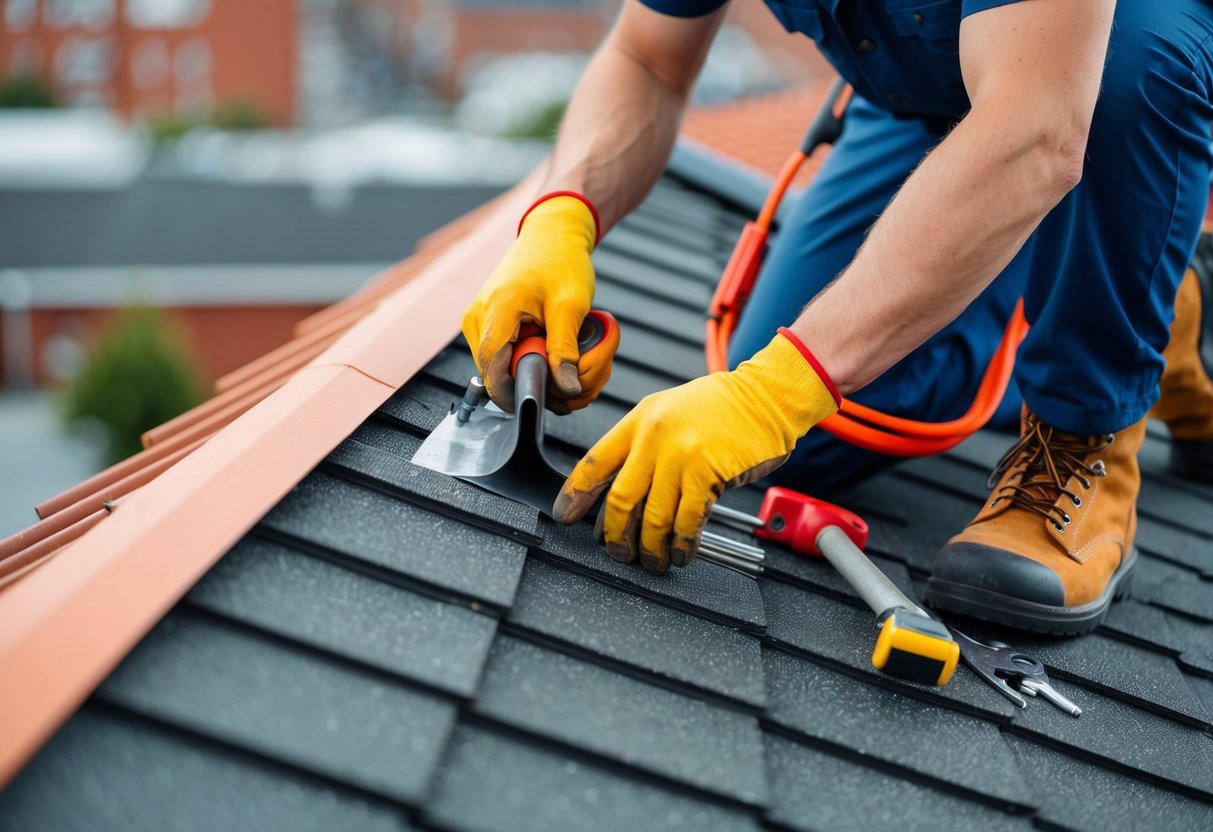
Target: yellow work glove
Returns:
[[668, 460], [545, 278]]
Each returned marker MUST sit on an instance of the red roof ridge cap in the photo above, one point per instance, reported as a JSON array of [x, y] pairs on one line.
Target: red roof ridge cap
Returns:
[[67, 624]]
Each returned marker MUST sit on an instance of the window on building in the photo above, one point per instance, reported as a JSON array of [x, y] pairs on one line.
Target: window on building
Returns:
[[192, 63], [149, 63], [19, 15], [67, 14], [84, 62], [166, 14], [26, 58]]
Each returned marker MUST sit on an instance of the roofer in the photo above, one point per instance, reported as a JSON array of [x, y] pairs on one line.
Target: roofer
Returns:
[[1054, 149]]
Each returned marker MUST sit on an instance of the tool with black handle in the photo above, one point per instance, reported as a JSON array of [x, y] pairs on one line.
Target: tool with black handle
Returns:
[[911, 643]]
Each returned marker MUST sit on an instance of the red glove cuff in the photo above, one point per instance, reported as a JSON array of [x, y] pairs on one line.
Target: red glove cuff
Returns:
[[814, 363], [585, 199]]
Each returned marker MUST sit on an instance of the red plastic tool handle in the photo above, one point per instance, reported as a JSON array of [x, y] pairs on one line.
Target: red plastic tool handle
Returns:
[[595, 329], [796, 520]]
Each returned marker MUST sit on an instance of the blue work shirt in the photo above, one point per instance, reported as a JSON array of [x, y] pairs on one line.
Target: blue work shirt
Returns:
[[903, 55]]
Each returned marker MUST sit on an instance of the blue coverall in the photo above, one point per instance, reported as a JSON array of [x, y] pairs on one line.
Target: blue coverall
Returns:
[[1098, 276]]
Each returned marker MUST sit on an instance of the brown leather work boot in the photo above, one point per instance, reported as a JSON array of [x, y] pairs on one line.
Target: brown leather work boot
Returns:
[[1186, 404], [1054, 544]]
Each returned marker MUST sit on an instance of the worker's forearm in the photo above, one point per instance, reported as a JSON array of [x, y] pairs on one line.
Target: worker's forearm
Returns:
[[956, 223], [616, 136]]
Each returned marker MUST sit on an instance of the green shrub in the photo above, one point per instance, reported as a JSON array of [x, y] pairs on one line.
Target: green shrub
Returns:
[[236, 114], [239, 114], [26, 91], [543, 124], [139, 376]]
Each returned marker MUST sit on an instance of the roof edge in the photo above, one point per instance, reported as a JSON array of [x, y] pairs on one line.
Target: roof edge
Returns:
[[698, 165], [66, 625]]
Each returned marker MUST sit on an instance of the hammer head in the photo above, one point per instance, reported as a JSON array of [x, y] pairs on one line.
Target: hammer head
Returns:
[[915, 647]]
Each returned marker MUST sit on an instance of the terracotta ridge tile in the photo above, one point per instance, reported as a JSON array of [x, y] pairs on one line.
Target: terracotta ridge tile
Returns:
[[89, 503], [67, 624], [293, 347], [27, 559], [269, 380]]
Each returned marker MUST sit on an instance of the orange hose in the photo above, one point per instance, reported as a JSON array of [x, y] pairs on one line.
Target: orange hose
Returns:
[[854, 423]]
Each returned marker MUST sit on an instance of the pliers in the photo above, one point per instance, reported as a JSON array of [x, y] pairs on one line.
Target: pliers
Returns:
[[1010, 672]]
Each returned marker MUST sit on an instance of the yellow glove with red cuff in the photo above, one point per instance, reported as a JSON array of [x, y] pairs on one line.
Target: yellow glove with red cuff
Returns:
[[668, 460], [545, 278]]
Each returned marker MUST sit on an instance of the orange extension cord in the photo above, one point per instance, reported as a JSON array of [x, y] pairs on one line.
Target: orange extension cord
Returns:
[[854, 423]]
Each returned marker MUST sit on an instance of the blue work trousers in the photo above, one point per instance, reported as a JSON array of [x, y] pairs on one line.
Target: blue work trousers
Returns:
[[1098, 276]]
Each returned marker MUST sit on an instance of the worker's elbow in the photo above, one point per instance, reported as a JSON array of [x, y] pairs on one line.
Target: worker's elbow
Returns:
[[1064, 153]]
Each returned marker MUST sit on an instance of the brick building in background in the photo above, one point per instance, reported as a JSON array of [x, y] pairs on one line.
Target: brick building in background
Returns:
[[158, 56]]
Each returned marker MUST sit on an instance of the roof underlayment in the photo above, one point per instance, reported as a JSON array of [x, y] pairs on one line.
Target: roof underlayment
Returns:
[[365, 644]]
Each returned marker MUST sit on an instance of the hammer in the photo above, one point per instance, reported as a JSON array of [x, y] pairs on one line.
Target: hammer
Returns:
[[911, 644]]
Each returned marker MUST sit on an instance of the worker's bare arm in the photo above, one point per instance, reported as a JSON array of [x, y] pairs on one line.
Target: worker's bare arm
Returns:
[[1032, 70], [624, 116]]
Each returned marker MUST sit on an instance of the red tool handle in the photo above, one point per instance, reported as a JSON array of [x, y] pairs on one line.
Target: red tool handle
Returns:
[[595, 329], [796, 520]]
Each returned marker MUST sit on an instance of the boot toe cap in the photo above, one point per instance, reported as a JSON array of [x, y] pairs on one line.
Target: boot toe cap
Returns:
[[996, 570]]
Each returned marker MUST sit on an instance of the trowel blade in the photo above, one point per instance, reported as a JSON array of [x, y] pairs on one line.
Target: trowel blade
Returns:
[[475, 448]]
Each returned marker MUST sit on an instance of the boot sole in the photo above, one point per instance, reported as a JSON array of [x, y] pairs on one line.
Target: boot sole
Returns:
[[1025, 615]]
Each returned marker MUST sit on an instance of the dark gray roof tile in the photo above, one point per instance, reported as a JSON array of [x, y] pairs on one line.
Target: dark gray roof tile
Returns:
[[703, 587], [109, 770], [631, 382], [379, 456], [1116, 731], [633, 307], [1195, 641], [886, 725], [1143, 623], [1076, 794], [1174, 544], [641, 725], [1177, 503], [422, 404], [492, 782], [379, 530], [582, 428], [306, 599], [627, 628], [649, 348], [1145, 677], [843, 634], [615, 264], [1173, 587], [688, 261], [812, 789], [289, 704]]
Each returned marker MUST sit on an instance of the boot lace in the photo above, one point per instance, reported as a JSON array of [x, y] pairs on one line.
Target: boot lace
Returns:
[[1050, 458]]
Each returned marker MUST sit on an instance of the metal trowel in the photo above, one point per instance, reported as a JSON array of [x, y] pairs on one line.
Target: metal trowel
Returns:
[[501, 451]]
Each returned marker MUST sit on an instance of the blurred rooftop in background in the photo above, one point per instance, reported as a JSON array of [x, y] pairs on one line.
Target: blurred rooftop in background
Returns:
[[240, 164]]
